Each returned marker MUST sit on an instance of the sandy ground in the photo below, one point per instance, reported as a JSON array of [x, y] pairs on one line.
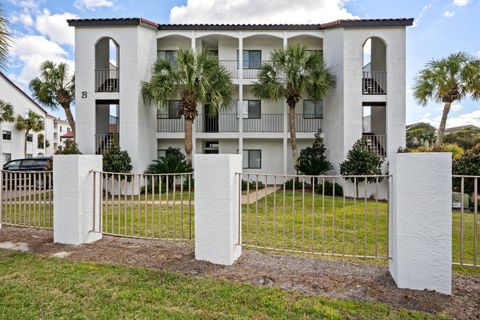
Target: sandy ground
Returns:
[[312, 276]]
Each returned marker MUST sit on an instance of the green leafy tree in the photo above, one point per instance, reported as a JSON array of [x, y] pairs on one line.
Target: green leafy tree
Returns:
[[469, 165], [117, 160], [55, 87], [71, 147], [421, 135], [361, 161], [194, 77], [448, 80], [32, 122], [292, 74], [312, 160], [466, 138], [4, 39], [6, 112]]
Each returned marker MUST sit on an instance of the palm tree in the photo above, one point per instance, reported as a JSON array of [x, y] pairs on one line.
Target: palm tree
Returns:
[[194, 77], [54, 88], [32, 122], [6, 112], [447, 80], [4, 39], [292, 74]]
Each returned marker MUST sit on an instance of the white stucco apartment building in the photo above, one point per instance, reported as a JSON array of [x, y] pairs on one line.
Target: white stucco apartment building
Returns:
[[367, 58], [12, 143]]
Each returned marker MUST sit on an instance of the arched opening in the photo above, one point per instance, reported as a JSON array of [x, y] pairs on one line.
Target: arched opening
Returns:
[[107, 63], [374, 80]]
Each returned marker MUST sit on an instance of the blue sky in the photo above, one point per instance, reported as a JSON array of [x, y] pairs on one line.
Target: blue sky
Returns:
[[442, 26]]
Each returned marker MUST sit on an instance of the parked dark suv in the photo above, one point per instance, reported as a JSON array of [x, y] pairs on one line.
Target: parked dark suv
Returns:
[[27, 174], [28, 164]]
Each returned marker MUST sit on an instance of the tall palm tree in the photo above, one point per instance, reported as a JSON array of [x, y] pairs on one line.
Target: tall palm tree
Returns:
[[32, 122], [447, 80], [55, 87], [194, 77], [4, 38], [6, 112], [292, 74]]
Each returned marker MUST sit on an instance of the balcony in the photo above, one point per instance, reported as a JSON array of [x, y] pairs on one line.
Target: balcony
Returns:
[[374, 82], [375, 144], [107, 80], [307, 123], [104, 141], [224, 123], [251, 69]]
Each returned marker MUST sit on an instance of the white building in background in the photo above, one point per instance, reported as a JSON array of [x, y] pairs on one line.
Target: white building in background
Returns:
[[367, 57], [12, 143]]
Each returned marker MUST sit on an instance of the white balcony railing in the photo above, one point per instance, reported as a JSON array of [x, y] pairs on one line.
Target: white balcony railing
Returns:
[[376, 144]]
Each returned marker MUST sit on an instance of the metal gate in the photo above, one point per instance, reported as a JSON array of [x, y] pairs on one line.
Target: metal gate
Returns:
[[153, 206], [318, 215], [26, 199]]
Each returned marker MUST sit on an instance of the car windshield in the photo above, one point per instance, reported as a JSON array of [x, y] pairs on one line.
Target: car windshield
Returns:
[[12, 165]]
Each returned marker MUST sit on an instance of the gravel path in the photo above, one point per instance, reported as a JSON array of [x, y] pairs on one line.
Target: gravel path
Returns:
[[311, 276]]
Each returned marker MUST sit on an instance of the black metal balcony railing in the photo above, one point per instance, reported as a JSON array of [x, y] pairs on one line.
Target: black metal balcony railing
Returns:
[[375, 143], [307, 123], [107, 80], [217, 123], [374, 82]]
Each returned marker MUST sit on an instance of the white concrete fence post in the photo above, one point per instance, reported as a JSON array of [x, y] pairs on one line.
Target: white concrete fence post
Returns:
[[74, 205], [421, 221], [217, 210]]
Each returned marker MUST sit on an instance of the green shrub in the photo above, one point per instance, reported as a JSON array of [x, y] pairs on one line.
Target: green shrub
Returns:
[[116, 160], [329, 189], [298, 184], [252, 185], [457, 151], [173, 162], [71, 147], [312, 160]]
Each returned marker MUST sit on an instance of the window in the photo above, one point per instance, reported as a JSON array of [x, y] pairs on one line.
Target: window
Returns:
[[12, 164], [29, 155], [173, 109], [252, 59], [161, 153], [170, 55], [7, 157], [68, 129], [60, 128], [30, 137], [7, 135], [254, 109], [312, 109], [252, 159]]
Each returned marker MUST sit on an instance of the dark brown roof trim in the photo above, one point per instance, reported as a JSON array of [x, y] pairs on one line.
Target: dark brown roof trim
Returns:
[[360, 23], [23, 92]]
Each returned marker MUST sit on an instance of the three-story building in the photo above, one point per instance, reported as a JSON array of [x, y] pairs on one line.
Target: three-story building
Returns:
[[367, 58]]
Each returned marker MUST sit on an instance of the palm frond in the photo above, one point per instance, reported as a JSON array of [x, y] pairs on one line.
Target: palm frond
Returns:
[[6, 112], [4, 39]]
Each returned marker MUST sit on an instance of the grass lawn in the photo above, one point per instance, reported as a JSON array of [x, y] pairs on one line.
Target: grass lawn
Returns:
[[32, 287], [323, 231]]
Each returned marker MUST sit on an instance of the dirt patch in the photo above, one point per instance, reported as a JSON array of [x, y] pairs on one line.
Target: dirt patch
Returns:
[[311, 276]]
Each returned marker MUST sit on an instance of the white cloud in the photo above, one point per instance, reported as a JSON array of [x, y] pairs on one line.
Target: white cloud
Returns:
[[456, 107], [448, 13], [425, 8], [23, 18], [93, 4], [461, 3], [26, 4], [55, 27], [465, 119], [32, 50], [253, 11]]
